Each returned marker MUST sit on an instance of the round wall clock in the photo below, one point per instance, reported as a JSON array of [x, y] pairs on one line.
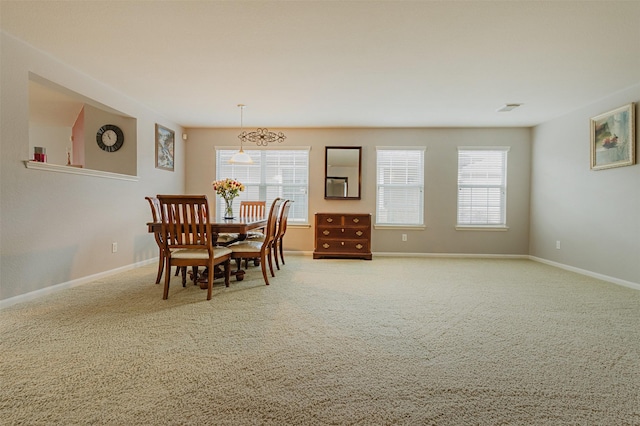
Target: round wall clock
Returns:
[[110, 138]]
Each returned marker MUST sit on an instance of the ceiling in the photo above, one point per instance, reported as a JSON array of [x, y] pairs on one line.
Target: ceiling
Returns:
[[343, 63]]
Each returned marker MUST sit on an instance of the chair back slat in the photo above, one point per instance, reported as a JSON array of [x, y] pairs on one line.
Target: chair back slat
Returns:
[[253, 209]]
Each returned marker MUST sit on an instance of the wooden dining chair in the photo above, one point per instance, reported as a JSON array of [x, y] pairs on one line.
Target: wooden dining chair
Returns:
[[256, 209], [253, 209], [250, 249], [281, 229], [188, 239], [156, 214]]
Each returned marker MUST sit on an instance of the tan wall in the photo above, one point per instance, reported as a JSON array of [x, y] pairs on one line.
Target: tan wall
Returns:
[[440, 235], [123, 160]]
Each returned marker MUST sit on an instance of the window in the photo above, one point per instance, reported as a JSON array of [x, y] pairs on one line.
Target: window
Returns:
[[275, 173], [400, 186], [482, 186]]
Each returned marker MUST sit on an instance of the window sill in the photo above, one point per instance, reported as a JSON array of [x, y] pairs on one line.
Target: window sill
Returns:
[[298, 225], [482, 228], [399, 227], [77, 171]]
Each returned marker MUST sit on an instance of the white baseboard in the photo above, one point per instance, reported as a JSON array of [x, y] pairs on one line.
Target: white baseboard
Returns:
[[453, 255], [73, 283], [84, 280], [591, 274], [456, 255]]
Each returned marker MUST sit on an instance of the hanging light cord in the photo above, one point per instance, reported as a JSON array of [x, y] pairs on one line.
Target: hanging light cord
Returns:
[[241, 136]]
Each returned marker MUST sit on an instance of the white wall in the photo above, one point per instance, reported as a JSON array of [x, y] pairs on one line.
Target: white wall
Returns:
[[594, 214], [57, 227], [440, 235]]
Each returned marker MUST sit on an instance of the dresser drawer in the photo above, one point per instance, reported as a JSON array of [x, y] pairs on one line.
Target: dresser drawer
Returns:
[[342, 246], [351, 233], [358, 220], [327, 219], [337, 219]]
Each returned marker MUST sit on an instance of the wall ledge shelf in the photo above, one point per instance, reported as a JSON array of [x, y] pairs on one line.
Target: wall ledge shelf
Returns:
[[36, 165]]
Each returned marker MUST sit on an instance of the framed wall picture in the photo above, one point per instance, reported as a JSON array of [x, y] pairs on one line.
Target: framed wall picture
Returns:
[[165, 148], [613, 138]]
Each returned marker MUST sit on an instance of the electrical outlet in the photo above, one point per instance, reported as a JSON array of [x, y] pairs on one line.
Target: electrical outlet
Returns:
[[558, 244], [404, 237], [114, 247]]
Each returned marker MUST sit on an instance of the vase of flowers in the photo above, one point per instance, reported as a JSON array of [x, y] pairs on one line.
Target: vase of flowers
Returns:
[[228, 189]]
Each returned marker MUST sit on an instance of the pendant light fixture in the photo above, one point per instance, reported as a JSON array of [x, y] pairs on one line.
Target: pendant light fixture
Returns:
[[241, 157]]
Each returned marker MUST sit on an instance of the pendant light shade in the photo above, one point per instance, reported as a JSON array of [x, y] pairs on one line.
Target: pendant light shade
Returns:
[[241, 157]]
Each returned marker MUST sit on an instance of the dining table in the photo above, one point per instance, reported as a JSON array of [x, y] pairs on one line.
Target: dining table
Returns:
[[240, 225]]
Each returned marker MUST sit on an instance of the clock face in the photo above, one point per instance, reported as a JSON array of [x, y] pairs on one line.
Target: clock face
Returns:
[[110, 138]]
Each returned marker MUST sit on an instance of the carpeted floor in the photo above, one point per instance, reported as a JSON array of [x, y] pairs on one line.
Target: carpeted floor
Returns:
[[393, 341]]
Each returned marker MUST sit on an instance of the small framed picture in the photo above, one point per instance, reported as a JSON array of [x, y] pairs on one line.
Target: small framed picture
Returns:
[[165, 145], [613, 138]]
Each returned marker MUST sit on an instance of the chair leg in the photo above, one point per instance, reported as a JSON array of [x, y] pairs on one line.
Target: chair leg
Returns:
[[167, 278], [270, 263], [281, 253], [210, 276], [184, 276], [273, 252], [160, 267], [263, 265], [227, 272], [194, 275]]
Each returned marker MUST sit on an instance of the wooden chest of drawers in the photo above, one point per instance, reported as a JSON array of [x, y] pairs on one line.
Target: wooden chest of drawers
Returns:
[[344, 235]]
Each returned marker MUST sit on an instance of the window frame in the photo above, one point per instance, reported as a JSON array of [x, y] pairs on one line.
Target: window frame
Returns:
[[299, 211], [503, 186], [420, 223]]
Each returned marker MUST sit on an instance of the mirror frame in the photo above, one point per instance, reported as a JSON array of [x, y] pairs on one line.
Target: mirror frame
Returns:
[[327, 176]]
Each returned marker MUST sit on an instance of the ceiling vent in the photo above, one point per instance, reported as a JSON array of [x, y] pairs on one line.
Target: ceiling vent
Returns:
[[508, 107]]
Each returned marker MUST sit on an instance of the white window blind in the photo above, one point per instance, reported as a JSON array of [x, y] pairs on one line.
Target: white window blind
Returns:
[[400, 186], [275, 173], [482, 186]]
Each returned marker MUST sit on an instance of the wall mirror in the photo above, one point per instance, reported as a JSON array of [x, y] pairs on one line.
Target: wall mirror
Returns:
[[342, 172]]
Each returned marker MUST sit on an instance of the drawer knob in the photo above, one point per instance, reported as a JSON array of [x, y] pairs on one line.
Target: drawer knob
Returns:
[[359, 246], [343, 230], [329, 219], [325, 245], [342, 243], [356, 220], [359, 233], [325, 232]]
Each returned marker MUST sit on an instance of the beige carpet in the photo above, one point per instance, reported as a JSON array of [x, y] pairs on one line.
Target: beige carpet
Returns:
[[386, 342]]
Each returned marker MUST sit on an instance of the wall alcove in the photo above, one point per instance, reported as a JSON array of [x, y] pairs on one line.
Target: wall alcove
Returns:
[[67, 124]]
